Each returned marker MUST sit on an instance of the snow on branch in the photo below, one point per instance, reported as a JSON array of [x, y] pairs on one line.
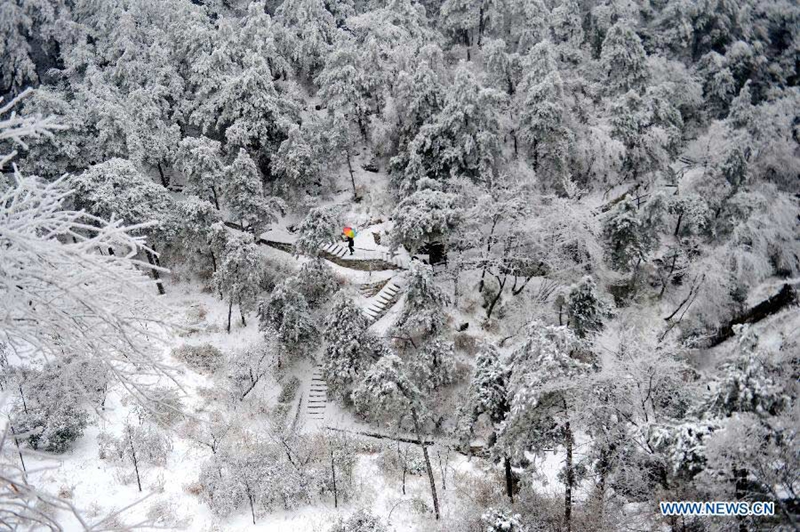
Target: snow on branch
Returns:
[[15, 128]]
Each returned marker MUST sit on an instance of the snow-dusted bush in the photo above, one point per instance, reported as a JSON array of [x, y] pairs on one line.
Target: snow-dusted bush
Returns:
[[359, 521], [289, 390], [164, 406], [498, 520], [53, 427], [203, 358], [140, 444]]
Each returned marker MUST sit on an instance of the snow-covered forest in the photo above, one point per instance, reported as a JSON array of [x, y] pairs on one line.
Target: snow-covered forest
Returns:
[[398, 265]]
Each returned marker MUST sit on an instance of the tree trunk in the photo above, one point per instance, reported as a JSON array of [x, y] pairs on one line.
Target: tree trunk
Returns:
[[164, 180], [678, 225], [252, 506], [352, 177], [241, 313], [230, 311], [155, 272], [215, 197], [772, 305], [16, 442], [135, 461], [570, 480], [501, 286], [214, 261], [333, 476], [427, 463], [488, 250], [509, 479]]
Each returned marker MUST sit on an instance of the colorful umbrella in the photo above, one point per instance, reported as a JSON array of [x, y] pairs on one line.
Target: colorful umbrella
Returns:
[[349, 232]]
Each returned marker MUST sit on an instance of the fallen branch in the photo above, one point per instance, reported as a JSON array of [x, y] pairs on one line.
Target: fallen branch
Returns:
[[784, 298]]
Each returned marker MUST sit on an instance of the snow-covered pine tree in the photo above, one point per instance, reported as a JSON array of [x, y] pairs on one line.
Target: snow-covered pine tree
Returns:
[[462, 141], [385, 391], [319, 227], [423, 314], [628, 239], [488, 394], [317, 282], [200, 161], [244, 194], [190, 235], [350, 348], [544, 127], [624, 59], [432, 366], [297, 164], [423, 217], [240, 275], [306, 30], [287, 313], [586, 310]]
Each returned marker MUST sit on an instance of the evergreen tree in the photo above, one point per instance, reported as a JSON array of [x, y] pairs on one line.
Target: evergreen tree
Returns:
[[423, 217], [422, 315], [318, 228], [244, 194], [296, 163], [350, 348], [287, 313], [623, 58], [200, 161], [240, 275], [585, 310]]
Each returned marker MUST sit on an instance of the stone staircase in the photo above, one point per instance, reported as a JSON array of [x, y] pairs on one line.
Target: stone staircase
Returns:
[[317, 395], [380, 303], [337, 249], [369, 290]]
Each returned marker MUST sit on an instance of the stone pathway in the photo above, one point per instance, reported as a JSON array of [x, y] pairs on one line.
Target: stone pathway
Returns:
[[317, 395], [380, 303]]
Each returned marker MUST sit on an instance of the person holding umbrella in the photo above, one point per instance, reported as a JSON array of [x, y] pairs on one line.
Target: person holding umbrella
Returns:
[[350, 235]]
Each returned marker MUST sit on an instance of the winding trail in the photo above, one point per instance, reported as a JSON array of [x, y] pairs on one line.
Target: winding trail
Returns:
[[378, 298]]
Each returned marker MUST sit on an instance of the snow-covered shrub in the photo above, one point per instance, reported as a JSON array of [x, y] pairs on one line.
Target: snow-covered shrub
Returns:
[[683, 445], [747, 384], [498, 520], [50, 406], [164, 405], [141, 443], [53, 427], [203, 358], [359, 521], [289, 390]]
